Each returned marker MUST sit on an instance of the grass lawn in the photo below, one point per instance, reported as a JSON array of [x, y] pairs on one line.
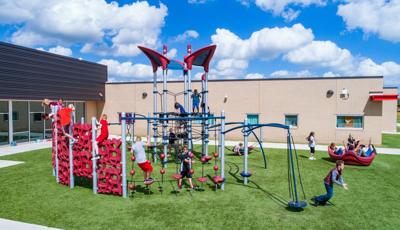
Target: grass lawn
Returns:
[[29, 193], [390, 140]]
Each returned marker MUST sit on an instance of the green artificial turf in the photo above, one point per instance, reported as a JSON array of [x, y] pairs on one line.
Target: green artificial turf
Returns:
[[29, 193], [390, 141]]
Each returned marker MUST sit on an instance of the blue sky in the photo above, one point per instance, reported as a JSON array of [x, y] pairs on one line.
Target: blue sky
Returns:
[[255, 38]]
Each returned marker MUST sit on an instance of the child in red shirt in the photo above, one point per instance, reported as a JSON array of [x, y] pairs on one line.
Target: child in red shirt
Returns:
[[103, 130], [65, 119]]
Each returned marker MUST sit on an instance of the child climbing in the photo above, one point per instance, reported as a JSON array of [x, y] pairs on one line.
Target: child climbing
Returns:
[[143, 163], [334, 177], [179, 109], [103, 135], [53, 106], [311, 144], [196, 101], [186, 166], [238, 149], [65, 120]]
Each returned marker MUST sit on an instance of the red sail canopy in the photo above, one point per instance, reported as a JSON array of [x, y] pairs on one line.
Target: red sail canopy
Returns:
[[155, 58], [201, 57]]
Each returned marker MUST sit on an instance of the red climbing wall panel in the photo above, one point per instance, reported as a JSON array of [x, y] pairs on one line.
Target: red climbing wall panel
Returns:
[[63, 154], [110, 168], [82, 150]]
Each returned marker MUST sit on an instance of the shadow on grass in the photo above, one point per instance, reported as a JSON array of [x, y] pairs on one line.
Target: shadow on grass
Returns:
[[234, 170]]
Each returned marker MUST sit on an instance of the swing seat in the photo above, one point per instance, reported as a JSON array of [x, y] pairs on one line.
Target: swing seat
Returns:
[[176, 176], [147, 183], [218, 179], [246, 174], [297, 205], [202, 179]]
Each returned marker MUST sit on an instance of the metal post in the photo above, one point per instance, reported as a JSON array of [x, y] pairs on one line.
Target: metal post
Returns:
[[123, 160], [292, 165], [29, 121], [71, 157], [54, 111], [94, 157], [222, 150], [10, 123], [155, 94], [207, 114], [189, 111], [246, 149], [148, 129], [165, 125], [82, 120], [185, 93]]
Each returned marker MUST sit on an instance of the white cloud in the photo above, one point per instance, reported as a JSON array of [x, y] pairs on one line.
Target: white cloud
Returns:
[[390, 70], [171, 54], [244, 2], [186, 35], [323, 54], [127, 70], [58, 50], [107, 27], [282, 7], [330, 74], [286, 73], [197, 1], [380, 17], [254, 76], [265, 44]]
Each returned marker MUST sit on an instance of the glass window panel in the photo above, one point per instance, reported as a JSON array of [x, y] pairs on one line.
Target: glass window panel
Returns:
[[252, 119], [349, 122], [291, 120], [79, 111], [20, 121], [36, 107], [3, 106], [3, 123]]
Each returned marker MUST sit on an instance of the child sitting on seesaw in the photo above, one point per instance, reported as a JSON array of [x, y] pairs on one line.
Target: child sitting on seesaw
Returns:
[[335, 149], [334, 177], [186, 166], [143, 163]]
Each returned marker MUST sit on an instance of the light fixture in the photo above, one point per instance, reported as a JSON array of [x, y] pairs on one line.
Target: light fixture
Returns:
[[225, 98], [344, 94], [144, 95], [329, 93]]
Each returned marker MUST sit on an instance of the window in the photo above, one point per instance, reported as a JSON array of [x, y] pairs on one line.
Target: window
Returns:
[[349, 122], [252, 119], [15, 116], [37, 116], [291, 120]]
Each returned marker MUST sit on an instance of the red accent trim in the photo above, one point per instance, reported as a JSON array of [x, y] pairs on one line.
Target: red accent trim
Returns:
[[383, 97], [190, 59], [155, 58]]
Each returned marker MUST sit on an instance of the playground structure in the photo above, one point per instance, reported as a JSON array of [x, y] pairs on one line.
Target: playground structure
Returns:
[[108, 168]]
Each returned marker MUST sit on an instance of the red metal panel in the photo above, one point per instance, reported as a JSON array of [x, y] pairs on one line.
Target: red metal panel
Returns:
[[383, 97]]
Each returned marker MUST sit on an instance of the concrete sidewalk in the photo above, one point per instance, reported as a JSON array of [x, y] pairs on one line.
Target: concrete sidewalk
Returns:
[[4, 163], [24, 147], [17, 225], [7, 150]]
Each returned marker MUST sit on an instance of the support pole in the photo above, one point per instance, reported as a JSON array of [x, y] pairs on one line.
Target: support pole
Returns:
[[82, 120], [207, 114], [165, 125], [185, 93], [94, 157], [246, 150], [189, 111], [289, 140], [123, 139], [222, 150], [155, 94], [71, 157], [148, 129], [55, 133]]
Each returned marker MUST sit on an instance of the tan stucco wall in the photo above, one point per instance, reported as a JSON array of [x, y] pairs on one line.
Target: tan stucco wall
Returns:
[[389, 119], [272, 99]]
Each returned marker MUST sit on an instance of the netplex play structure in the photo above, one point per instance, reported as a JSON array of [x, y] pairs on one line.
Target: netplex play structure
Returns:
[[108, 168]]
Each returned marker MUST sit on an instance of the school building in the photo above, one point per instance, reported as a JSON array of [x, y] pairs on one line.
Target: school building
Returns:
[[331, 107]]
